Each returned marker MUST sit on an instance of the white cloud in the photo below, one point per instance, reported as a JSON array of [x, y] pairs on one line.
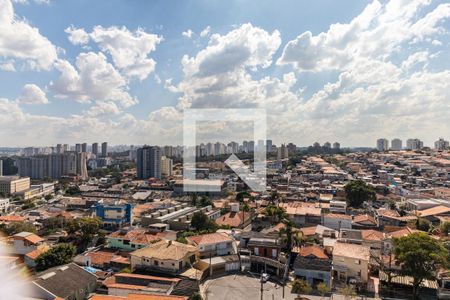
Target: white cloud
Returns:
[[188, 33], [129, 50], [377, 33], [32, 94], [77, 36], [8, 66], [103, 108], [19, 40], [93, 79], [205, 32]]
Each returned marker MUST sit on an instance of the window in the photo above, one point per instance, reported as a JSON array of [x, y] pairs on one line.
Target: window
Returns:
[[126, 242], [256, 251], [155, 262], [358, 262]]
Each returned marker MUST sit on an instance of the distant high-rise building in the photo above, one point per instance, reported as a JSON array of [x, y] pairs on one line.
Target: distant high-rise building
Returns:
[[316, 145], [251, 146], [148, 162], [283, 152], [382, 145], [77, 148], [327, 145], [441, 144], [336, 146], [245, 146], [166, 166], [54, 165], [414, 144], [104, 149], [59, 148], [292, 148], [269, 144], [95, 148], [65, 148], [1, 167], [396, 144], [84, 147]]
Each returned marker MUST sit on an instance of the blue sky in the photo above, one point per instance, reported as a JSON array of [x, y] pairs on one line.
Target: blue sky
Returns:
[[315, 65]]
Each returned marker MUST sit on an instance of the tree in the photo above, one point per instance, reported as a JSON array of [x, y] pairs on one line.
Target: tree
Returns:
[[423, 224], [357, 192], [200, 222], [420, 256], [445, 228], [16, 227], [323, 289], [195, 296], [276, 213], [59, 255], [348, 291], [300, 286], [73, 190]]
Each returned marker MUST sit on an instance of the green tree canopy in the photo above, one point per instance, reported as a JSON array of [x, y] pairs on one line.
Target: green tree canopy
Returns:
[[357, 192], [16, 227], [59, 255], [300, 286], [201, 222], [420, 256]]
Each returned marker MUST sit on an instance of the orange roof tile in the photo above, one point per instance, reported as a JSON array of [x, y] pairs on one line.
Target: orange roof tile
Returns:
[[210, 238], [312, 250]]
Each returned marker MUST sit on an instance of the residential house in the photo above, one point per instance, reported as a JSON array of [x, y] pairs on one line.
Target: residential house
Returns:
[[31, 257], [235, 219], [25, 242], [313, 265], [337, 221], [124, 284], [351, 261], [364, 221], [165, 256], [69, 282], [213, 244], [130, 239]]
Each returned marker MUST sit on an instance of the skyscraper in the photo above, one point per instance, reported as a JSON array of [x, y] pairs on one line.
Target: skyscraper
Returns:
[[95, 148], [382, 145], [414, 144], [148, 162], [269, 146], [1, 167], [77, 148], [441, 144], [166, 166], [396, 144], [336, 146], [84, 147], [104, 149]]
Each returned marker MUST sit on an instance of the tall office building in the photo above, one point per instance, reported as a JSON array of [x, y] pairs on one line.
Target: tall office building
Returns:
[[1, 167], [148, 162], [77, 148], [65, 148], [251, 146], [166, 166], [382, 145], [104, 149], [396, 144], [95, 148], [84, 147], [54, 165], [414, 144], [269, 144], [336, 146], [327, 145], [283, 152], [59, 148], [441, 144]]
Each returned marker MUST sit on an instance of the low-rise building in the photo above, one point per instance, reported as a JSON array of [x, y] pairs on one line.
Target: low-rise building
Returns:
[[313, 265], [213, 244], [25, 242], [10, 185], [166, 256], [351, 261]]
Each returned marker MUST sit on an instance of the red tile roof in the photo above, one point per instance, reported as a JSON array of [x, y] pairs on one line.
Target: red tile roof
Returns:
[[313, 250], [210, 238]]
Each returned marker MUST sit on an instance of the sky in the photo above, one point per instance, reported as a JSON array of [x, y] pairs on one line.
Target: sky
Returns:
[[76, 71]]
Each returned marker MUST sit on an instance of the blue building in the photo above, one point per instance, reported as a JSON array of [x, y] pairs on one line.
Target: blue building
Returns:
[[115, 215]]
